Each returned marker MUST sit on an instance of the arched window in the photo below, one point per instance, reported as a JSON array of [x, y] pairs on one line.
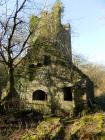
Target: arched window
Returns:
[[39, 95], [67, 93]]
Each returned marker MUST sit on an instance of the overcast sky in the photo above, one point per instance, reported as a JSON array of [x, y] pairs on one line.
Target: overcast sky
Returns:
[[87, 19]]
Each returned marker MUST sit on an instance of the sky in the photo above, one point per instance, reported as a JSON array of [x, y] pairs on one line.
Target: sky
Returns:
[[87, 19]]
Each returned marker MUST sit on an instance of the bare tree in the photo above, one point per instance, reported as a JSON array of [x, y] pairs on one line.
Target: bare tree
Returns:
[[14, 36], [2, 2]]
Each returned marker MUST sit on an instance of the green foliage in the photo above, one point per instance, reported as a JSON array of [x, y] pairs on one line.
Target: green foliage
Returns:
[[46, 129], [90, 125], [54, 104], [34, 21], [31, 73], [96, 72], [59, 5], [48, 25], [3, 76]]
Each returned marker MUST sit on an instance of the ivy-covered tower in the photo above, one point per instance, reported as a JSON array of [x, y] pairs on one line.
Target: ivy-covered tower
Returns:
[[48, 29], [50, 80]]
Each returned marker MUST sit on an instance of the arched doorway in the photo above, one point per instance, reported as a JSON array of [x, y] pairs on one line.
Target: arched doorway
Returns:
[[39, 95]]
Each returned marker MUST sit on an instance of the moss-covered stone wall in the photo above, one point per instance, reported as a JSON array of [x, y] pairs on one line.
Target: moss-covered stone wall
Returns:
[[52, 39]]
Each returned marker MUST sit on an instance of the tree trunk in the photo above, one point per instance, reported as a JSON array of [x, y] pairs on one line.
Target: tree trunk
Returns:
[[11, 80], [0, 94]]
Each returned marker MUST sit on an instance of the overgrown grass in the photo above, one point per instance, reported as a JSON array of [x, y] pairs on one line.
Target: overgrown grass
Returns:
[[47, 129], [90, 126]]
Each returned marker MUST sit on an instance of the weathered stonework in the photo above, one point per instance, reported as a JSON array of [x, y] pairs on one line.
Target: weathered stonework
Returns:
[[50, 82]]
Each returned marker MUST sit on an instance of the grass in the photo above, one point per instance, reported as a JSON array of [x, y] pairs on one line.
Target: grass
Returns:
[[90, 126], [48, 128]]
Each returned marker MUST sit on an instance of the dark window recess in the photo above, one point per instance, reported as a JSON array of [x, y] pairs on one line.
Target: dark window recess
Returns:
[[39, 64], [47, 60], [31, 66], [39, 95], [67, 93]]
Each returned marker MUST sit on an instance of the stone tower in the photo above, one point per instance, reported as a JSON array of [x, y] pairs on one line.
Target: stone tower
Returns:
[[50, 81], [50, 30]]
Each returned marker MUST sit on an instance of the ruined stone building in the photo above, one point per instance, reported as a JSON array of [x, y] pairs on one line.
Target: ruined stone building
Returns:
[[50, 81]]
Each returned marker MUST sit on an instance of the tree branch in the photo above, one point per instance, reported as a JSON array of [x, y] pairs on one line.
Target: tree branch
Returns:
[[23, 46]]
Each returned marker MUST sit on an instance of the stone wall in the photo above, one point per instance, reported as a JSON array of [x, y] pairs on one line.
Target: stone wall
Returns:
[[51, 40]]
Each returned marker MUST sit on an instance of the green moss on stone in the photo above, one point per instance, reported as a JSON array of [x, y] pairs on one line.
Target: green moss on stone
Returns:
[[46, 129]]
